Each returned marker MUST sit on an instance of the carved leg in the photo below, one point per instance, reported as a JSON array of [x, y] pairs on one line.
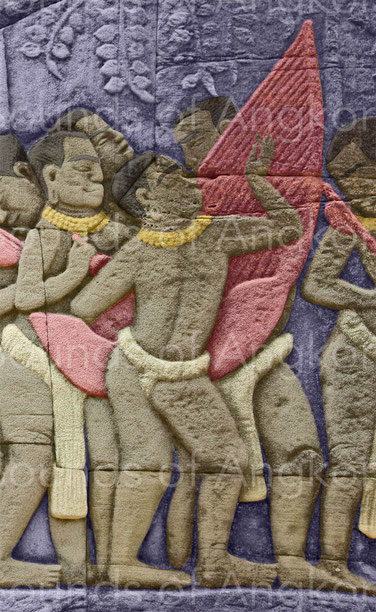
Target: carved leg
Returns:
[[69, 538], [145, 448], [23, 484], [102, 499], [180, 518], [137, 498], [287, 428], [217, 502], [204, 426], [348, 383], [104, 461], [26, 427], [292, 502]]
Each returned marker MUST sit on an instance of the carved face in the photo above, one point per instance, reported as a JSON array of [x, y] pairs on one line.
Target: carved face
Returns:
[[21, 199], [78, 182], [355, 175], [196, 135], [173, 190], [111, 147]]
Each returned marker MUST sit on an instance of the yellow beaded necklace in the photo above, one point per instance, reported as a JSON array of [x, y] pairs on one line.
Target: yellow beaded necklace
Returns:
[[176, 237], [82, 226]]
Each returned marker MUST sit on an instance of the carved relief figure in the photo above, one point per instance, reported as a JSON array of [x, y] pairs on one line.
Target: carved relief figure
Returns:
[[26, 435], [177, 266], [288, 434], [52, 267], [111, 147], [21, 203], [348, 358]]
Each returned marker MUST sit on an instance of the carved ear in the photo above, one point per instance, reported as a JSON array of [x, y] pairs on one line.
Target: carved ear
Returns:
[[49, 176], [223, 125], [49, 173], [23, 170], [143, 197]]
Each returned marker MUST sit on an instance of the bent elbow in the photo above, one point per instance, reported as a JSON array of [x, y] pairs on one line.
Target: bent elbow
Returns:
[[310, 290], [78, 310], [290, 227], [26, 306], [292, 231]]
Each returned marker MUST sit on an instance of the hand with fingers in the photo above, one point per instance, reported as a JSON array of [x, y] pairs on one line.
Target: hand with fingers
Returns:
[[260, 164]]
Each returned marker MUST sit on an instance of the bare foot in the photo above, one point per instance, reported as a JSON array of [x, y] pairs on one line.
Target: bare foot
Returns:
[[19, 573], [346, 580], [233, 571], [97, 575], [328, 575], [147, 577]]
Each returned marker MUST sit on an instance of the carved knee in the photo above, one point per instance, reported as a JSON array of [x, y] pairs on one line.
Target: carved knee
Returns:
[[307, 462]]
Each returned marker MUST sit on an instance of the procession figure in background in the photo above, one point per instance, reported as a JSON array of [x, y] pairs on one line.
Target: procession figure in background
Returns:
[[55, 261], [111, 147], [348, 359], [113, 152], [292, 499], [21, 202]]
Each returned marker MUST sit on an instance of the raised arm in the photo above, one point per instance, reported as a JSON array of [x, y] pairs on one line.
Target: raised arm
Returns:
[[241, 234], [111, 284], [32, 290], [322, 285]]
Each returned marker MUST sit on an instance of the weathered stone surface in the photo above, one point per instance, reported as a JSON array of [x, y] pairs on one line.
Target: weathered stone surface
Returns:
[[139, 65]]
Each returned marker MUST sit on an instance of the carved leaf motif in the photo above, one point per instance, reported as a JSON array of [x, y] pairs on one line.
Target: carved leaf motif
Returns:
[[106, 33], [110, 68], [178, 19], [181, 36], [48, 18], [52, 67], [243, 35], [141, 82], [137, 16], [136, 50], [31, 49], [139, 67], [115, 85], [190, 81], [205, 9], [138, 33], [77, 22], [144, 95], [60, 51], [36, 33], [67, 35], [109, 14], [208, 81], [107, 52]]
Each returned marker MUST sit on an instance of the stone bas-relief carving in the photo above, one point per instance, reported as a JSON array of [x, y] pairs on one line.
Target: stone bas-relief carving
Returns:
[[347, 362], [115, 270], [196, 130], [170, 200]]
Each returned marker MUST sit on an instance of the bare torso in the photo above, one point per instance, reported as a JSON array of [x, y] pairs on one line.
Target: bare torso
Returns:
[[53, 261], [178, 294]]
